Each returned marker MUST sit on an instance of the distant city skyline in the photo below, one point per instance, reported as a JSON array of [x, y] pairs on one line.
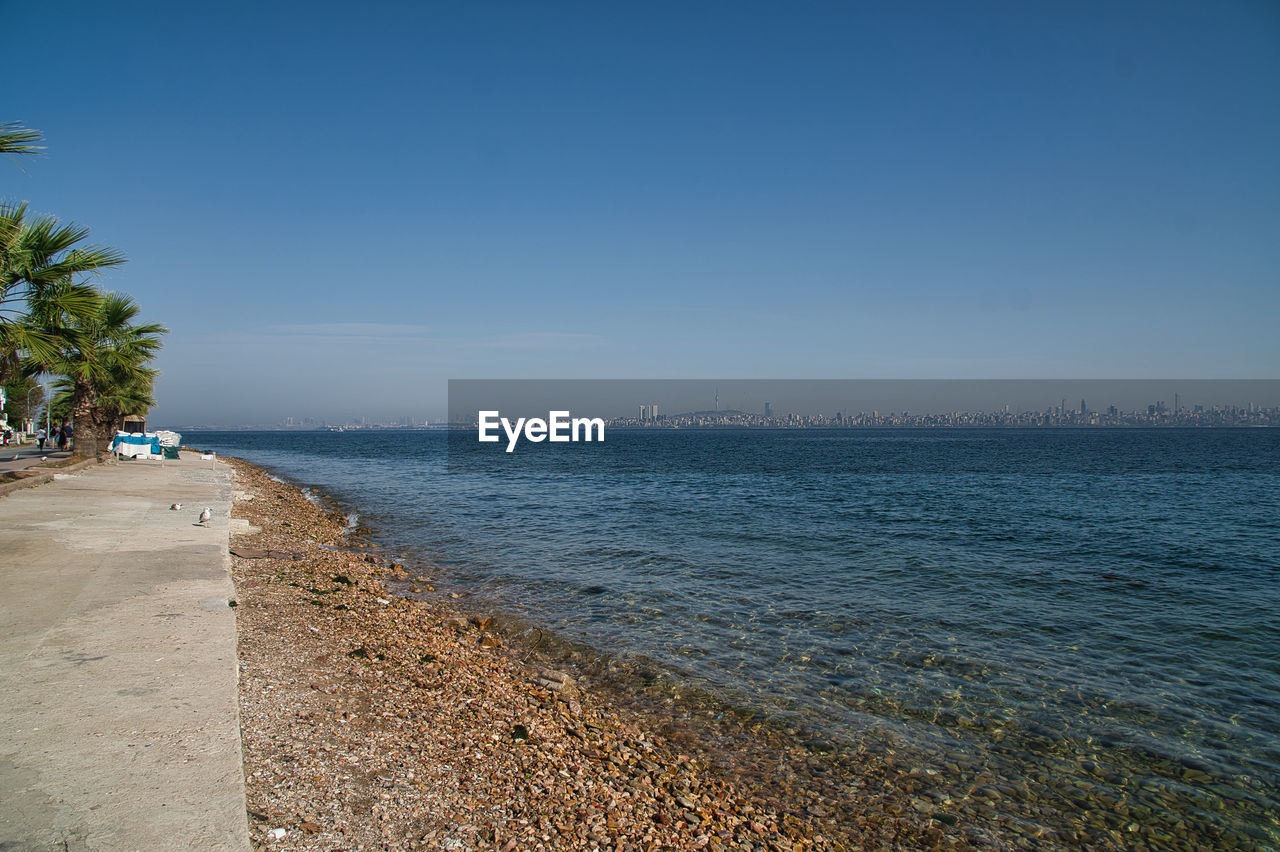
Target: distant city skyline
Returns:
[[1157, 413], [646, 399], [616, 399], [337, 209]]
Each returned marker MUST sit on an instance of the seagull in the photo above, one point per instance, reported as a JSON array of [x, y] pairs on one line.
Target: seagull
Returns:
[[205, 516], [176, 507]]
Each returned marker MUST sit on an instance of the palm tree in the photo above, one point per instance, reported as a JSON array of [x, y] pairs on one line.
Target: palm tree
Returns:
[[39, 256], [128, 391], [125, 393], [104, 356], [16, 139], [39, 259]]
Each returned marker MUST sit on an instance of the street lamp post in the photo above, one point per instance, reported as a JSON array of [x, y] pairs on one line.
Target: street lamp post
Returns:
[[27, 413]]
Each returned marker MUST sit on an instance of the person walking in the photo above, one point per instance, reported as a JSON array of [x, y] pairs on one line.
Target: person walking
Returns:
[[40, 438], [64, 436]]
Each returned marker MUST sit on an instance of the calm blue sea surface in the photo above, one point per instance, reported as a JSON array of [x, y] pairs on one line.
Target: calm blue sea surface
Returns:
[[1087, 622]]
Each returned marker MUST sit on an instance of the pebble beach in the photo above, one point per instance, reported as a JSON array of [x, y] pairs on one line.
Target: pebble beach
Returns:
[[378, 714]]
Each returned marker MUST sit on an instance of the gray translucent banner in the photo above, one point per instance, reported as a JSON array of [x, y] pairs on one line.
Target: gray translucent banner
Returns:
[[571, 425]]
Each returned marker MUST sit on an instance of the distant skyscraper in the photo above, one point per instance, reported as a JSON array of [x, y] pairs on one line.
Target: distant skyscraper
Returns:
[[1083, 410], [768, 410]]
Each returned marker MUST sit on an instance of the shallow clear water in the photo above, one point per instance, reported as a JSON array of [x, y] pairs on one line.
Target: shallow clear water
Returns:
[[1076, 628]]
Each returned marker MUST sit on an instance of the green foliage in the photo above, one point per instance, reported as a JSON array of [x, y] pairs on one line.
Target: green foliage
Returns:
[[51, 321], [25, 399], [39, 259], [16, 139], [61, 402], [104, 356]]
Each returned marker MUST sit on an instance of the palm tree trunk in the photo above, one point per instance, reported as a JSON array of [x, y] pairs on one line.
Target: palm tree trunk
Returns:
[[106, 424], [84, 432]]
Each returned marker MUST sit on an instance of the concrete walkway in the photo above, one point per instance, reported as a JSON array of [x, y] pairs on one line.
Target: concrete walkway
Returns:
[[119, 726]]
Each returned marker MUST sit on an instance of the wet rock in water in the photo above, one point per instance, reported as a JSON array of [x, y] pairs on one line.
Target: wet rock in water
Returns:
[[559, 683], [458, 624], [558, 677]]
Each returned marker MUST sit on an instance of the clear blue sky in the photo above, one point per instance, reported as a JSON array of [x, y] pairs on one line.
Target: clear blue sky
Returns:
[[336, 206]]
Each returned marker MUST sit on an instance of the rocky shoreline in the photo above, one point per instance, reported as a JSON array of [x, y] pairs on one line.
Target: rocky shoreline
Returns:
[[377, 715]]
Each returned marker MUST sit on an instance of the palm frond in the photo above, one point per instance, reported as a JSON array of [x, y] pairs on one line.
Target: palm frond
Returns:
[[16, 139], [50, 307]]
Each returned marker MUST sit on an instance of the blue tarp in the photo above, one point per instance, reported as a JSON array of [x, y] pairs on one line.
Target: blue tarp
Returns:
[[134, 444]]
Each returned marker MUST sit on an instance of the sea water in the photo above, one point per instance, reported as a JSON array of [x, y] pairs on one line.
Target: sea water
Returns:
[[1086, 621]]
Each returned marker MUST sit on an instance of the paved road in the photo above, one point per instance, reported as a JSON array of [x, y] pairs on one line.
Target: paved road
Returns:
[[118, 715]]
